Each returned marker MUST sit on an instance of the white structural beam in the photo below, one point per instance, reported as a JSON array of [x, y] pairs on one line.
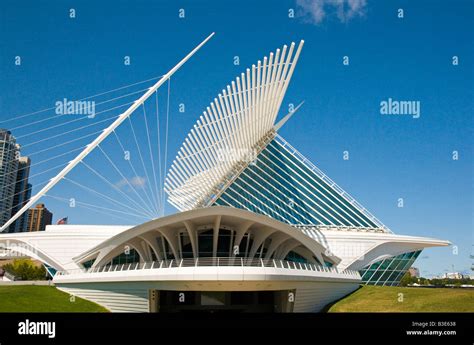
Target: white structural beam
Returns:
[[215, 237], [192, 233], [89, 148], [286, 118]]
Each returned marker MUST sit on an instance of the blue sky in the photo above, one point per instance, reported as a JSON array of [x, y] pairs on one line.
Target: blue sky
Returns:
[[391, 157]]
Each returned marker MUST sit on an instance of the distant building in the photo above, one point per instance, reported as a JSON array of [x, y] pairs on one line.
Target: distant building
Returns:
[[38, 218], [22, 195], [14, 186], [453, 275], [414, 272], [8, 168]]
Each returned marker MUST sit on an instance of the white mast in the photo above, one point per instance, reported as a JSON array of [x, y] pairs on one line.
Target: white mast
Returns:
[[101, 137]]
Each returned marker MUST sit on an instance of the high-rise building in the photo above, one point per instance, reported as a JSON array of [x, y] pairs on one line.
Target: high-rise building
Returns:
[[414, 272], [22, 194], [9, 153], [38, 218], [14, 187]]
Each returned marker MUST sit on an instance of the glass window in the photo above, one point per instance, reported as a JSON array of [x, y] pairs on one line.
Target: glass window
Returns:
[[205, 240], [295, 257], [223, 243], [186, 247], [129, 257], [388, 271]]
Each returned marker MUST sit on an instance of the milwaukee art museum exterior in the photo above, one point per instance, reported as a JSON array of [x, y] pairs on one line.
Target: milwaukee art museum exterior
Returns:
[[259, 227]]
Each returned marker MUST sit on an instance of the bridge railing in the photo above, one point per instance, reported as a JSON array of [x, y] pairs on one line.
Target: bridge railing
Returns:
[[211, 262]]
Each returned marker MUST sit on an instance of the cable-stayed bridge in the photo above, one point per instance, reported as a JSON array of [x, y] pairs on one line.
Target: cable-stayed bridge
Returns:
[[116, 164], [106, 153]]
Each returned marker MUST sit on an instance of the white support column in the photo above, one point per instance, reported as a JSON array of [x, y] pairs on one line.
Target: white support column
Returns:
[[106, 254], [239, 234], [283, 247], [307, 254], [172, 238], [215, 238], [150, 238], [192, 233], [277, 240], [259, 237], [137, 244], [288, 247]]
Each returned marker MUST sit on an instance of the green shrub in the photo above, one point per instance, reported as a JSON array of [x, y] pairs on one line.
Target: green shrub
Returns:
[[408, 279], [25, 269]]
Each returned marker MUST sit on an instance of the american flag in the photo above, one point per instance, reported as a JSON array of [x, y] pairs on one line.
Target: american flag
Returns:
[[62, 221]]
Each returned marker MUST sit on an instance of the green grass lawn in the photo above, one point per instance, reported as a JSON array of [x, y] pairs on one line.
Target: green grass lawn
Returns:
[[27, 298], [386, 299]]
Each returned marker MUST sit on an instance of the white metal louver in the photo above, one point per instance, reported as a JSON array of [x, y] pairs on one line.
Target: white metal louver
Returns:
[[230, 128]]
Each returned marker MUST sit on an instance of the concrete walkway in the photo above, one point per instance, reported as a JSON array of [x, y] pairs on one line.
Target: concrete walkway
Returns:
[[26, 282]]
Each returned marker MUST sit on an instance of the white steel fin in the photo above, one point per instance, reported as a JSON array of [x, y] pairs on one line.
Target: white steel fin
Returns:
[[233, 124]]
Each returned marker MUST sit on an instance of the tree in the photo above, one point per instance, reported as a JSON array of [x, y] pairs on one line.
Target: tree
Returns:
[[25, 269], [407, 279]]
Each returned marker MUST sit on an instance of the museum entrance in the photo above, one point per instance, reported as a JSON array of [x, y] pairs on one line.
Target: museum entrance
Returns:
[[166, 301]]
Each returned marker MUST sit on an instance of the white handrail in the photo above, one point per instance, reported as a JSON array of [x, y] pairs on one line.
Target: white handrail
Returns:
[[215, 262]]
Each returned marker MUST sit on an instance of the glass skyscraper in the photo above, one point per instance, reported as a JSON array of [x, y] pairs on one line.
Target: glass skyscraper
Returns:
[[14, 187]]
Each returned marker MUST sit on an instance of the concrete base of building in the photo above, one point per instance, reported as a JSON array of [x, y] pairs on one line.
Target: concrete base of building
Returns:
[[168, 296]]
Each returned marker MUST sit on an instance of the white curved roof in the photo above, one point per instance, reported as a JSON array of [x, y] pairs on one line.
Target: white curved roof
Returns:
[[58, 244], [230, 129], [218, 216], [358, 249]]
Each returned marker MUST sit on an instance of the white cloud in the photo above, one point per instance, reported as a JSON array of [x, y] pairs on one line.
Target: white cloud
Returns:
[[315, 11], [136, 181]]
